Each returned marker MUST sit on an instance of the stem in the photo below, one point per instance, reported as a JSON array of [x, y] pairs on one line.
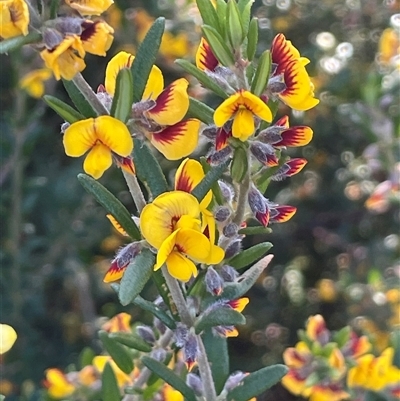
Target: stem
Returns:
[[186, 318], [135, 190], [89, 95], [244, 187]]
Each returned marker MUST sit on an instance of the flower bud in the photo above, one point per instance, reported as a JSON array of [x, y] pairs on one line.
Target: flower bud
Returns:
[[51, 38], [228, 273], [264, 153], [234, 380], [219, 80], [230, 230], [69, 25], [159, 354], [195, 383], [190, 351], [140, 107], [276, 84], [181, 334], [213, 281], [64, 126], [146, 333], [271, 134], [159, 325], [210, 132], [233, 248], [227, 190], [222, 214], [259, 206], [215, 158]]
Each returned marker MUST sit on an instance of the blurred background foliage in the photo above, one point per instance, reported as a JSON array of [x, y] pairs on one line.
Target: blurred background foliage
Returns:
[[339, 256]]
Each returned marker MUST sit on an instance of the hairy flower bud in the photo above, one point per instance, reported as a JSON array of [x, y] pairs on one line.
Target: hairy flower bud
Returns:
[[234, 380], [146, 333], [233, 248], [259, 206], [216, 158], [230, 230], [271, 134], [159, 354], [264, 153], [213, 281], [227, 190], [210, 132], [69, 25], [276, 84], [195, 383], [229, 273], [181, 334], [190, 350], [221, 214], [51, 38]]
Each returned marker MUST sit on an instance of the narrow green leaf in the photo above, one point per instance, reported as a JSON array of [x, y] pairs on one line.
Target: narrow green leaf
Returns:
[[257, 382], [252, 39], [64, 110], [255, 230], [219, 317], [250, 255], [247, 280], [207, 182], [234, 24], [123, 98], [221, 12], [131, 341], [261, 76], [118, 352], [169, 377], [148, 169], [217, 354], [146, 57], [202, 77], [216, 190], [109, 385], [8, 45], [244, 7], [239, 165], [218, 45], [111, 204], [78, 99], [200, 111], [156, 311], [135, 277], [208, 13], [86, 357]]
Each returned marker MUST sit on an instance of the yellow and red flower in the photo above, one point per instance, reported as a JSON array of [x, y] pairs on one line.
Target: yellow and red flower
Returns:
[[57, 384], [96, 37], [102, 137], [243, 107], [33, 82], [205, 58], [14, 18], [120, 322], [90, 7]]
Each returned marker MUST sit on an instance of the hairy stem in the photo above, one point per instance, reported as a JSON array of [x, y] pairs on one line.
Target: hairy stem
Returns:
[[244, 187], [135, 190]]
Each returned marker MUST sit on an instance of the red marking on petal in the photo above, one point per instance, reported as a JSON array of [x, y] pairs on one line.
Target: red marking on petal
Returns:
[[184, 183], [282, 53], [296, 136], [295, 165], [263, 218], [207, 59], [170, 134], [126, 163], [272, 161], [114, 273], [163, 99], [283, 122], [88, 29], [221, 141], [284, 213]]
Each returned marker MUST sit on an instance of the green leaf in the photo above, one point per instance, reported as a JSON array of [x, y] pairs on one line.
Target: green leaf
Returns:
[[255, 230], [244, 7], [218, 45], [148, 169], [239, 165], [121, 107], [79, 99], [252, 39], [202, 77], [169, 377], [200, 111], [135, 277], [156, 311], [250, 255], [207, 182], [235, 30], [146, 57], [64, 110], [221, 12], [247, 280], [342, 336], [219, 317], [86, 357], [216, 190], [111, 204], [217, 354], [131, 341], [118, 352], [261, 76], [208, 13], [54, 6], [16, 42], [109, 385], [257, 382]]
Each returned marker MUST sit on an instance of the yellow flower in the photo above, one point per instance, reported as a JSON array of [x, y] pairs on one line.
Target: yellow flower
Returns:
[[170, 394], [171, 224], [316, 329], [33, 82], [90, 7], [330, 392], [242, 107], [97, 37], [389, 45], [58, 385], [14, 18], [101, 136], [66, 59], [8, 337], [99, 362], [120, 322], [174, 46], [205, 58]]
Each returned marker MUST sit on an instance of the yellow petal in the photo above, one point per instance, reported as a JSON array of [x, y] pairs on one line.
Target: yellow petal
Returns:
[[120, 322], [97, 37], [90, 7], [33, 82], [257, 106], [215, 256], [243, 124], [154, 85], [166, 248], [172, 103], [178, 140], [97, 161], [226, 109], [158, 219], [180, 267], [118, 62], [79, 137], [57, 383], [14, 18], [193, 244], [7, 338]]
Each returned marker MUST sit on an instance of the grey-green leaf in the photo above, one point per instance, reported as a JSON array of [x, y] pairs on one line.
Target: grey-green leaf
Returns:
[[146, 57], [109, 385], [223, 316], [255, 230], [156, 311], [252, 39], [118, 352], [79, 99], [135, 277], [221, 50], [111, 204], [261, 76], [64, 110], [257, 382], [11, 44], [250, 255], [200, 111], [169, 377], [208, 13], [131, 341], [123, 98]]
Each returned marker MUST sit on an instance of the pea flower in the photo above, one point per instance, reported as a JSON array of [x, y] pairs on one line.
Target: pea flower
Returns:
[[118, 323], [57, 383], [102, 136], [205, 58], [96, 36], [33, 82], [14, 17], [8, 337], [171, 224], [90, 7], [242, 106]]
